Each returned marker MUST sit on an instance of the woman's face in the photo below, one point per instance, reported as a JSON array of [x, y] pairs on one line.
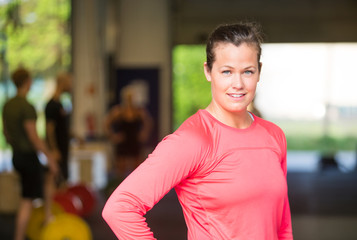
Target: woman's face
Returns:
[[234, 77]]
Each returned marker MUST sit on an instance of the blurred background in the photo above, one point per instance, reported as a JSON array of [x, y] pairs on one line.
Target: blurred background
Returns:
[[308, 87]]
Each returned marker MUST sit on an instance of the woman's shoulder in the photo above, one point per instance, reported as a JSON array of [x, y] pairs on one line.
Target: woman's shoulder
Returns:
[[194, 129], [271, 128], [267, 124], [197, 123]]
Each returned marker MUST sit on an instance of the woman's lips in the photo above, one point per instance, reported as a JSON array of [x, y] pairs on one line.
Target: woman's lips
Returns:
[[236, 95]]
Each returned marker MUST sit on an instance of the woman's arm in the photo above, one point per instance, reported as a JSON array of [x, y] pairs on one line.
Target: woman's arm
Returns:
[[166, 167], [285, 231]]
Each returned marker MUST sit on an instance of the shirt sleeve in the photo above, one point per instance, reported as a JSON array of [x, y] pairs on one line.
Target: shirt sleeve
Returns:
[[29, 113], [173, 160], [285, 231]]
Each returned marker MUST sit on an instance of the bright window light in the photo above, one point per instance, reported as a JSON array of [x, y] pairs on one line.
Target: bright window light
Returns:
[[300, 81]]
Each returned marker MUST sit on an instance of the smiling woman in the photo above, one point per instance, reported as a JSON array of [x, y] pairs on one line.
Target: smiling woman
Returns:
[[234, 78], [231, 177]]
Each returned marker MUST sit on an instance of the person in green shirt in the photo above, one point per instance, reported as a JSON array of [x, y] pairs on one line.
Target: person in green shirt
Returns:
[[19, 121]]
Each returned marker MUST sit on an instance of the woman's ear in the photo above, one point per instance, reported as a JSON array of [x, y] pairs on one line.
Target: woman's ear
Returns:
[[260, 69], [207, 71], [260, 66]]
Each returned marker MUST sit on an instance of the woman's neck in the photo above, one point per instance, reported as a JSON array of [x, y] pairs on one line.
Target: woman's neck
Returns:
[[240, 120]]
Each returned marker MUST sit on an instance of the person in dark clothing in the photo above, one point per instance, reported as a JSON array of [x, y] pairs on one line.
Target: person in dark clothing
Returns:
[[128, 127], [57, 135], [19, 121], [57, 124]]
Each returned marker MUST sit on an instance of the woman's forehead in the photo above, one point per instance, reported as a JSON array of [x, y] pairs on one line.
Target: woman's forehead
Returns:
[[222, 45]]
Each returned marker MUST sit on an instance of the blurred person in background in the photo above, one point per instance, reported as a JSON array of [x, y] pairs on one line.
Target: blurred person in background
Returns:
[[19, 120], [58, 124], [128, 127], [58, 135]]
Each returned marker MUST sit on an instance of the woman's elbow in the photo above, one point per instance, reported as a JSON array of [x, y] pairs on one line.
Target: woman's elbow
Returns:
[[113, 210], [107, 213], [113, 207]]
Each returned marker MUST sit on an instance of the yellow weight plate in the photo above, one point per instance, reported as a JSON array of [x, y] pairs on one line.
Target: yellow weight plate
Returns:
[[66, 226], [37, 219]]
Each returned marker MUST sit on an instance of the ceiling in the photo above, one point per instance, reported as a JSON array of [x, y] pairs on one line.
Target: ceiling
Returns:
[[282, 20]]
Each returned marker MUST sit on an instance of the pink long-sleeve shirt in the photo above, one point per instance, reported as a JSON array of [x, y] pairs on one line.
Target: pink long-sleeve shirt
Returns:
[[231, 183]]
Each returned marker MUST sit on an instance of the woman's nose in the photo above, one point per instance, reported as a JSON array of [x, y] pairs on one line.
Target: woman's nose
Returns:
[[237, 81]]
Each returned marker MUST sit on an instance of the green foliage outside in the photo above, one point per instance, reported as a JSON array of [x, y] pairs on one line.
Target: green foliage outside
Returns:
[[35, 34], [304, 135], [191, 90]]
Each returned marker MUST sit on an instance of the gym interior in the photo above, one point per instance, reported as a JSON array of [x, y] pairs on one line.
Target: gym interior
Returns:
[[308, 88]]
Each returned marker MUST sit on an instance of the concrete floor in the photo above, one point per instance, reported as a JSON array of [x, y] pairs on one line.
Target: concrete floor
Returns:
[[323, 206]]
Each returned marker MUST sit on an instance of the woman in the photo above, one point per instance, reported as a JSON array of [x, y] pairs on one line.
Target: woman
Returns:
[[227, 165]]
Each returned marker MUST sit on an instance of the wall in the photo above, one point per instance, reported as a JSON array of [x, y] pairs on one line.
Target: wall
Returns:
[[282, 21], [143, 41], [88, 69]]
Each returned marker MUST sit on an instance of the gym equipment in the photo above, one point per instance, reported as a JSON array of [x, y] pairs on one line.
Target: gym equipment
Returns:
[[69, 202], [67, 207], [87, 197], [66, 226], [37, 219]]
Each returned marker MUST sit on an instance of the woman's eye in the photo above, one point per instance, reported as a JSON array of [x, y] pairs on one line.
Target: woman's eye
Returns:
[[226, 72], [248, 72]]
